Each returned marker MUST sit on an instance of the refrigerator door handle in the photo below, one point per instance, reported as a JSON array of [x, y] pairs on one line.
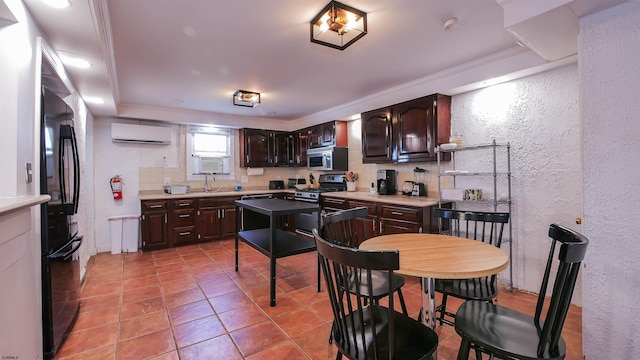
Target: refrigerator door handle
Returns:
[[70, 198]]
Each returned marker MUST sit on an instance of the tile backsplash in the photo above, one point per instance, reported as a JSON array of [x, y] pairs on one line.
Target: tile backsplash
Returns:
[[152, 178]]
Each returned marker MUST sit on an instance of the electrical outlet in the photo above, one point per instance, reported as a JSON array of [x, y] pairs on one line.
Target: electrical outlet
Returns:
[[167, 181], [244, 179]]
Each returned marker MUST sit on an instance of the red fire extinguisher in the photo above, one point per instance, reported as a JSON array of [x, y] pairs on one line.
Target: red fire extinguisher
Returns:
[[116, 187]]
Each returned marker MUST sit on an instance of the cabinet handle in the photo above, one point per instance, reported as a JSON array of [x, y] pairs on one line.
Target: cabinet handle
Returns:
[[396, 213], [183, 204], [222, 211], [185, 233], [380, 227], [374, 226], [247, 158], [166, 218], [143, 217], [155, 206], [183, 216]]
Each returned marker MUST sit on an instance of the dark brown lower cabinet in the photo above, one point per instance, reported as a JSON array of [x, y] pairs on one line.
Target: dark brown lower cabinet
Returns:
[[155, 224], [384, 218], [178, 222]]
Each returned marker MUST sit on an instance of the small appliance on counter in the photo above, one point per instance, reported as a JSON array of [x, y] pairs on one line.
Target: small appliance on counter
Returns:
[[276, 184], [291, 183], [419, 188], [407, 188], [387, 182]]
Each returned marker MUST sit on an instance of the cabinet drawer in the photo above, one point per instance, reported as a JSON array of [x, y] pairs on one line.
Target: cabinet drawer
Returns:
[[183, 217], [401, 213], [333, 204], [184, 234], [218, 202], [152, 205], [372, 207], [183, 203]]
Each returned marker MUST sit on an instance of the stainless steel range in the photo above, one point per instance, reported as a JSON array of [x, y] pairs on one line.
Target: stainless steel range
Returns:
[[306, 222]]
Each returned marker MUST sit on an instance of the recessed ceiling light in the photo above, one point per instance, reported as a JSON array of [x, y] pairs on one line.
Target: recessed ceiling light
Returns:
[[58, 4], [94, 100]]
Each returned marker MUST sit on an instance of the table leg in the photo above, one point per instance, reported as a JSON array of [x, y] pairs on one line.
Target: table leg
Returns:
[[272, 283], [428, 310], [237, 252], [237, 229]]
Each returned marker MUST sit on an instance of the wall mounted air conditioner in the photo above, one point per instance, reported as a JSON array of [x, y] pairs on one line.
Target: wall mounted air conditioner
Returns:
[[145, 134]]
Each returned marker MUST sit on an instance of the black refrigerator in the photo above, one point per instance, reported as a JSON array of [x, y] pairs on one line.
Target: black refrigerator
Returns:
[[59, 178]]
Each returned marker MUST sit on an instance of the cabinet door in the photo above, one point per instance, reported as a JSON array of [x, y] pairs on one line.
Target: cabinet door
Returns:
[[155, 230], [328, 134], [256, 145], [414, 129], [314, 134], [371, 222], [283, 148], [209, 224], [376, 136], [419, 126], [300, 145], [227, 222]]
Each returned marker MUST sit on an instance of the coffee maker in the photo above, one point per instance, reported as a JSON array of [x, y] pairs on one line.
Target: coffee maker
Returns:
[[387, 182]]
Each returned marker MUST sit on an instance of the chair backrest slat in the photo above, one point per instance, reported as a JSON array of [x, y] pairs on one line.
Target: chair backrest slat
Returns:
[[570, 256], [348, 268], [345, 227], [487, 227]]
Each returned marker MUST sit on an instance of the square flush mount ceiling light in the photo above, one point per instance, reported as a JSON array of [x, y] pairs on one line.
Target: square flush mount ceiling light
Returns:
[[246, 98], [338, 26]]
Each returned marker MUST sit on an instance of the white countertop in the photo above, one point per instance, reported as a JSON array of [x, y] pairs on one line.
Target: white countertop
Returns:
[[159, 195], [11, 204], [419, 201]]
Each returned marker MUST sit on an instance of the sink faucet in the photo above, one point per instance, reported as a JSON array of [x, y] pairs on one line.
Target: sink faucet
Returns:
[[206, 183]]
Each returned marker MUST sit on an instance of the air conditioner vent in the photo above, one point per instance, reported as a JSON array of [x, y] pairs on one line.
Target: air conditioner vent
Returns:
[[145, 134]]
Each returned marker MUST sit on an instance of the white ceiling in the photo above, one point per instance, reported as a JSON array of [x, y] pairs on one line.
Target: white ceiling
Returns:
[[189, 56]]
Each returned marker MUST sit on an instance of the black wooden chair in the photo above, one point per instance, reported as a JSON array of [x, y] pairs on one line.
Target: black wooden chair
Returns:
[[487, 227], [509, 334], [361, 328], [348, 228]]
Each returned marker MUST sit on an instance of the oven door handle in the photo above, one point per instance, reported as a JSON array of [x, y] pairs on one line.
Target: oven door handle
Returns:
[[76, 242]]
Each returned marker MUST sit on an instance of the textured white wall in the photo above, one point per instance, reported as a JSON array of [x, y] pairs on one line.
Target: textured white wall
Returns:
[[538, 116], [609, 51]]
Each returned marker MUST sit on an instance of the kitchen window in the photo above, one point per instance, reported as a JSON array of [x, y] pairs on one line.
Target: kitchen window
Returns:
[[210, 152]]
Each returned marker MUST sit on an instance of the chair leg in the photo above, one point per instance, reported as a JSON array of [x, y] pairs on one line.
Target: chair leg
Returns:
[[478, 355], [465, 347], [339, 356], [443, 308], [402, 304]]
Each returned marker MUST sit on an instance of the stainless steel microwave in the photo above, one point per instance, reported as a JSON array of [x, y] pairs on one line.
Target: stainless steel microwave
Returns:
[[330, 158]]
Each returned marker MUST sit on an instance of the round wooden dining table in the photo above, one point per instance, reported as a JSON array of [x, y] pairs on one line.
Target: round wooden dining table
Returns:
[[432, 256]]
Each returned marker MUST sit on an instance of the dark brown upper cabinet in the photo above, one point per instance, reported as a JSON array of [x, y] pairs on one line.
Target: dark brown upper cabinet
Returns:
[[406, 132], [257, 148], [376, 136], [268, 148], [332, 133]]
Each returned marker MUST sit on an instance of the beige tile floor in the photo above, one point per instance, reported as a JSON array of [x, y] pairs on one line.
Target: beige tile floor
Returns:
[[189, 303]]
